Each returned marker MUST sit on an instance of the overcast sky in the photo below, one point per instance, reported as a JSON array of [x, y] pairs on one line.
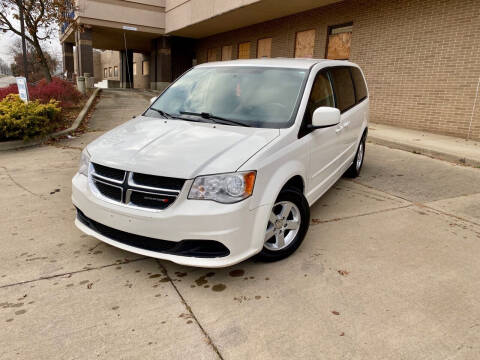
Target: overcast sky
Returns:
[[7, 40]]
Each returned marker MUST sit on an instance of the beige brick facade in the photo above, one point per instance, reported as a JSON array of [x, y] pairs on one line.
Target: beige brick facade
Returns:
[[421, 58]]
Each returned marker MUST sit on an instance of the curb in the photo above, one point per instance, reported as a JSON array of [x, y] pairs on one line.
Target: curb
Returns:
[[18, 144], [424, 151]]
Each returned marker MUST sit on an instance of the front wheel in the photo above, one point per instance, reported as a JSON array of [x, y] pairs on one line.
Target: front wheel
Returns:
[[287, 226], [354, 170]]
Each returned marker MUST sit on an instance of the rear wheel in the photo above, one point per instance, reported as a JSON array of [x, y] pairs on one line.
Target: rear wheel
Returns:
[[354, 169], [287, 226]]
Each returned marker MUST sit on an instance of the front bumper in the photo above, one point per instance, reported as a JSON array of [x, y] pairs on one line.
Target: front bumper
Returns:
[[237, 227]]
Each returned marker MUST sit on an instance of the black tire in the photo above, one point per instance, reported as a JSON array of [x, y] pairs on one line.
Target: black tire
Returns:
[[354, 170], [296, 197]]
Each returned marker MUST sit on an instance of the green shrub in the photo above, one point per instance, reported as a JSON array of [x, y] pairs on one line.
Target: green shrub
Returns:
[[19, 120]]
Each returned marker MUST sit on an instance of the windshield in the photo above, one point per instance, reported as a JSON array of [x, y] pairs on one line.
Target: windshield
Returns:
[[255, 96]]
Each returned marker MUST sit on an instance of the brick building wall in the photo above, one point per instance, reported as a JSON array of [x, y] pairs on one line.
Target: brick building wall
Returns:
[[421, 58]]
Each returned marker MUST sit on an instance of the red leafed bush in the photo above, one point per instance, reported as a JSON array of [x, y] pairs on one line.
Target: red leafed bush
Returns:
[[11, 89], [58, 89]]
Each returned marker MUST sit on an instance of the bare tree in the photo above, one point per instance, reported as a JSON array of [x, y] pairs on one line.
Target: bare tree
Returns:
[[34, 67], [41, 20]]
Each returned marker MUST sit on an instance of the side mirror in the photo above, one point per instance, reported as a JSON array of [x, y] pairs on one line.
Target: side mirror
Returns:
[[152, 100], [324, 117]]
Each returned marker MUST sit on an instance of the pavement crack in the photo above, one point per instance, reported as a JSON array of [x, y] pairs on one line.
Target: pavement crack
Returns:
[[381, 191], [94, 247], [190, 311], [20, 185], [447, 214], [318, 221], [72, 272], [418, 204]]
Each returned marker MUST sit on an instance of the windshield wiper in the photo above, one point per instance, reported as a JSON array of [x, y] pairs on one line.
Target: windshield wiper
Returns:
[[209, 116], [163, 113], [170, 116]]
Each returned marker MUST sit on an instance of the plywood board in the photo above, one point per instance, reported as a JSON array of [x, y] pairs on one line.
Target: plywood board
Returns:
[[244, 50], [212, 55], [304, 44], [264, 48], [339, 46], [227, 52]]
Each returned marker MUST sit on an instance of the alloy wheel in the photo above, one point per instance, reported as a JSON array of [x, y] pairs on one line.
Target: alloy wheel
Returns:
[[361, 150], [283, 225]]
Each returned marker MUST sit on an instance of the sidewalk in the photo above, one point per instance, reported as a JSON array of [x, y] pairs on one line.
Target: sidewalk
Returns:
[[457, 150]]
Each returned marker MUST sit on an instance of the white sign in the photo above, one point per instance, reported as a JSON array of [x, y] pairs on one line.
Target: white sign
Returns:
[[22, 88], [131, 28]]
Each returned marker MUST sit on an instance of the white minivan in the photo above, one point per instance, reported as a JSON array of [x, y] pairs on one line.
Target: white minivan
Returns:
[[226, 162]]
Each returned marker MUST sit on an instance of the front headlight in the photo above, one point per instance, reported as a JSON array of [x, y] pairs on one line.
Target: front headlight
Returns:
[[223, 188], [84, 163]]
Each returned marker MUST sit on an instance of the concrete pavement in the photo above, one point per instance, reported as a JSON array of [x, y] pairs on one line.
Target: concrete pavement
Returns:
[[456, 150], [389, 269]]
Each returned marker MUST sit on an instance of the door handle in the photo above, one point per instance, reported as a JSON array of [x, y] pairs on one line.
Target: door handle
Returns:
[[338, 129], [346, 124]]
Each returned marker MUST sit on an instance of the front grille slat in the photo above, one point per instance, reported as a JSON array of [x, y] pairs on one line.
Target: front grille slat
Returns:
[[109, 173], [160, 182], [135, 189], [108, 190]]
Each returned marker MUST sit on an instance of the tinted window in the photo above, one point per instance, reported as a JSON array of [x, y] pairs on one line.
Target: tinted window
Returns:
[[360, 86], [321, 95], [342, 83]]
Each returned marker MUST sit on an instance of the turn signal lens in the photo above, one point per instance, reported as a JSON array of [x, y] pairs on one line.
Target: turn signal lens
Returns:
[[249, 179]]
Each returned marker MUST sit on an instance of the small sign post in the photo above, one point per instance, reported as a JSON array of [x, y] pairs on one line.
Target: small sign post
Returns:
[[22, 88]]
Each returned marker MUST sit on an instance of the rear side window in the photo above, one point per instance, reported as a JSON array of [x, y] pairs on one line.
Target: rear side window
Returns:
[[359, 82], [343, 86]]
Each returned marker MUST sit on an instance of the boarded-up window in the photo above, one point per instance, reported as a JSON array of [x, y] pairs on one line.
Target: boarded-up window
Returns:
[[105, 72], [212, 55], [244, 50], [110, 72], [115, 71], [264, 48], [145, 67], [134, 68], [227, 52], [339, 41], [304, 44]]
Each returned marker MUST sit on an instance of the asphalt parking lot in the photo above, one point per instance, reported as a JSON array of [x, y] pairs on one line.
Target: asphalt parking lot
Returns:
[[388, 270]]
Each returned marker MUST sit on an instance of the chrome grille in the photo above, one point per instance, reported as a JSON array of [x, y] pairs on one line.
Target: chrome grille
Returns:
[[134, 189]]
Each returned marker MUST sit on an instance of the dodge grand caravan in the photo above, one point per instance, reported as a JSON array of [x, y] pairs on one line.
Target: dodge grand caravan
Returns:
[[226, 162]]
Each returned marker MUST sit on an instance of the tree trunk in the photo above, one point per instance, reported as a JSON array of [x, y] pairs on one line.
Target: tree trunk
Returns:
[[43, 60]]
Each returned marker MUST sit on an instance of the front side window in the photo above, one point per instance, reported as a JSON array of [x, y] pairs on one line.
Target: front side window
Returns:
[[256, 96], [321, 95], [343, 86]]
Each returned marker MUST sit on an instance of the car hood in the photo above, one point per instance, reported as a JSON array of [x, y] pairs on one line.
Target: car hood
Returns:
[[177, 148]]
